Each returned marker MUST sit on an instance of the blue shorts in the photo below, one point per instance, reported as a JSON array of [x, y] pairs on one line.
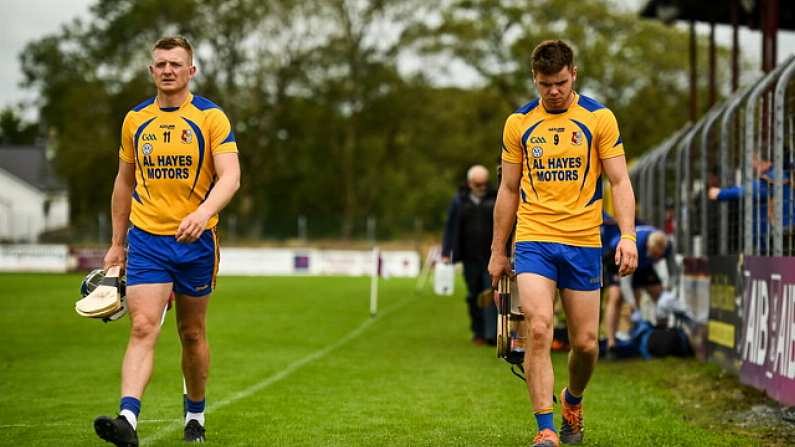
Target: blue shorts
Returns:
[[575, 268], [155, 259]]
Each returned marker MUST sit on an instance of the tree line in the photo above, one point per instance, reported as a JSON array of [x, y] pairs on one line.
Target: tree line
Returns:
[[346, 109]]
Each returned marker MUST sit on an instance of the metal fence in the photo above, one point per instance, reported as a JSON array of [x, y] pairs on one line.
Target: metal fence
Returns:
[[727, 179]]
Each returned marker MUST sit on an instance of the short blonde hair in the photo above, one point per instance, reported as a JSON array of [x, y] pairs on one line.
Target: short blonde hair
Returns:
[[657, 240], [169, 42]]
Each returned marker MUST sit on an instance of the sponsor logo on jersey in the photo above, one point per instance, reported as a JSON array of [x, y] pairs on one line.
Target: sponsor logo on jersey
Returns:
[[147, 149], [557, 169], [538, 152]]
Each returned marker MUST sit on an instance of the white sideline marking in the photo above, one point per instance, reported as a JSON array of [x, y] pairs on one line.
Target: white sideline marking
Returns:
[[292, 367]]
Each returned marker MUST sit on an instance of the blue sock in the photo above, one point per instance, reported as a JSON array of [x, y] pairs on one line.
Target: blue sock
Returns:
[[544, 419], [130, 403], [571, 399], [195, 406]]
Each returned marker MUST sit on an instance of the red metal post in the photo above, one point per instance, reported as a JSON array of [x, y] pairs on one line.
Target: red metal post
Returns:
[[735, 14], [693, 75], [712, 94]]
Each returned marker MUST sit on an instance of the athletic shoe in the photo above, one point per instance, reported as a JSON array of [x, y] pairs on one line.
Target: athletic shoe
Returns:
[[571, 430], [194, 432], [546, 438], [117, 431]]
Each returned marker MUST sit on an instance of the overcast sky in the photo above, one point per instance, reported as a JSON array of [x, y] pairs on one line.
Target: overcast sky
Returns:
[[24, 20]]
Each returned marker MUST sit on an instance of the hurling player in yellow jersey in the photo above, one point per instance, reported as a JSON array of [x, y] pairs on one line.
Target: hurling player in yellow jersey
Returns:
[[178, 167], [554, 152]]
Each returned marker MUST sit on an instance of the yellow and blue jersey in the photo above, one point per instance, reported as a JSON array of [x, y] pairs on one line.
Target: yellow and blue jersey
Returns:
[[172, 149], [561, 153]]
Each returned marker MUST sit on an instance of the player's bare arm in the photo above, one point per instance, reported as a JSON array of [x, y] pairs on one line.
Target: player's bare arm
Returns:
[[120, 213], [504, 216], [624, 204], [227, 168]]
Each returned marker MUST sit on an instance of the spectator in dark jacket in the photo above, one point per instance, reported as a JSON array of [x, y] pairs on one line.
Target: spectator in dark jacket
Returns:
[[467, 238]]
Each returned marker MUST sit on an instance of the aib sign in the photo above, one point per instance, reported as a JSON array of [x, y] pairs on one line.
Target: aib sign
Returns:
[[767, 343]]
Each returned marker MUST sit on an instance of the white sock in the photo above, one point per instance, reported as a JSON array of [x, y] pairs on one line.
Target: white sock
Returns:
[[131, 418], [196, 417]]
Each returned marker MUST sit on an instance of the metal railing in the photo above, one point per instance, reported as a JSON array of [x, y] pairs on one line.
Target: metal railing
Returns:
[[783, 157], [728, 176]]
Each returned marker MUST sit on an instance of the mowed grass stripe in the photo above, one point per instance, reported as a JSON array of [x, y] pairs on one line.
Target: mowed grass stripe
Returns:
[[259, 386], [410, 379]]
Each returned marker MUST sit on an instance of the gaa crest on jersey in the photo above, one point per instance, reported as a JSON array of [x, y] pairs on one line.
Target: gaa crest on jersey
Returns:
[[538, 152], [576, 138], [147, 149], [187, 136]]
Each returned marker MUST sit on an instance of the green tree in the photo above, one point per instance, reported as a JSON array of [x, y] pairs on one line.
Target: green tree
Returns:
[[328, 124], [636, 67], [89, 74], [13, 130]]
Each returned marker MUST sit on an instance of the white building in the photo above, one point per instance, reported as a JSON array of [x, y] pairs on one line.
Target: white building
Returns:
[[32, 198]]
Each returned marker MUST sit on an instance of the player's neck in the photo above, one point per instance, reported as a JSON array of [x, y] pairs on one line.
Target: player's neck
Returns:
[[175, 99]]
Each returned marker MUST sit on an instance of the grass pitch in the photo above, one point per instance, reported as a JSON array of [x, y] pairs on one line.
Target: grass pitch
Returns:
[[299, 362]]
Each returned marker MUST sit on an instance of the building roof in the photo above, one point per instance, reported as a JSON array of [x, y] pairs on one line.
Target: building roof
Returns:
[[718, 11], [29, 163]]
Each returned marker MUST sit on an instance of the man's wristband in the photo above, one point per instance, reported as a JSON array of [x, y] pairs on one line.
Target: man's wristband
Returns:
[[630, 237]]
